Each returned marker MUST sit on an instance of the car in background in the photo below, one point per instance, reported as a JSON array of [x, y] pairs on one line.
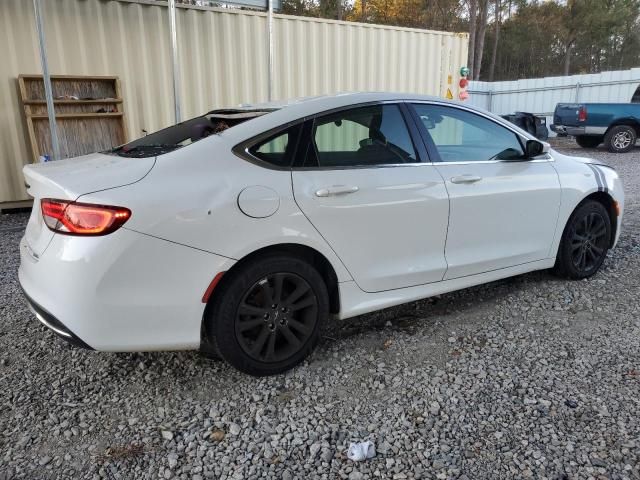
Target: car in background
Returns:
[[617, 125], [243, 231]]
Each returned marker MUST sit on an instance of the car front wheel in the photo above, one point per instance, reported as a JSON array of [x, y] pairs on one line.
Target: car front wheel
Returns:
[[585, 241], [269, 315]]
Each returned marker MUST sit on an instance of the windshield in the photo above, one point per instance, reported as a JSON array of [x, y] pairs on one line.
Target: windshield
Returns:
[[185, 133]]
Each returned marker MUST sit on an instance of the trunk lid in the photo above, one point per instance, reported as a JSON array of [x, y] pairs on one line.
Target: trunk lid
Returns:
[[70, 178]]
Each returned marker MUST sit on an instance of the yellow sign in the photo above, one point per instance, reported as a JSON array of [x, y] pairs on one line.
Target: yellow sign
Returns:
[[449, 94], [450, 79]]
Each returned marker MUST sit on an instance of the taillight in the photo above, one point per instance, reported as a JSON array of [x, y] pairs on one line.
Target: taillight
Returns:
[[74, 218], [582, 114]]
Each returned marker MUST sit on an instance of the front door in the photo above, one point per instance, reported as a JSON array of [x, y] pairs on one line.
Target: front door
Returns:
[[504, 208], [370, 195]]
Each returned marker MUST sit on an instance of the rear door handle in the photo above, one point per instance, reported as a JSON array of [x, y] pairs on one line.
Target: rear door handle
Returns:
[[336, 190], [466, 179]]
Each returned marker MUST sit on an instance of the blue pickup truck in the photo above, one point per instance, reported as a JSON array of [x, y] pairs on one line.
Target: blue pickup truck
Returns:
[[617, 125]]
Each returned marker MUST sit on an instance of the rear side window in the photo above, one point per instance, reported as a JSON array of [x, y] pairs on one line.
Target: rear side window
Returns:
[[277, 149], [374, 135]]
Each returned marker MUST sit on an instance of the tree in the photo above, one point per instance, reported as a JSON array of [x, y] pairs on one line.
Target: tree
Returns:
[[473, 15], [481, 31], [496, 37]]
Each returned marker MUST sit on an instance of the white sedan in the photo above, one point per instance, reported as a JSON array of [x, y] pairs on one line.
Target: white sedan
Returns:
[[244, 230]]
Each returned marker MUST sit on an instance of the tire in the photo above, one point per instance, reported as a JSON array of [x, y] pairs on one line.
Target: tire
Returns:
[[620, 139], [585, 241], [588, 141], [260, 331], [209, 351]]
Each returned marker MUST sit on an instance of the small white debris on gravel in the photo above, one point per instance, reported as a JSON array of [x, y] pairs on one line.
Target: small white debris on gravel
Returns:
[[529, 377]]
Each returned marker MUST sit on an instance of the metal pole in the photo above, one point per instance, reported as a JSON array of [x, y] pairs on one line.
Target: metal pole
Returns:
[[490, 100], [174, 58], [270, 41], [48, 92], [577, 91]]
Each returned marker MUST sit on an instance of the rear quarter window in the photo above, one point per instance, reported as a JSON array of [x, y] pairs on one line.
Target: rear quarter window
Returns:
[[278, 149]]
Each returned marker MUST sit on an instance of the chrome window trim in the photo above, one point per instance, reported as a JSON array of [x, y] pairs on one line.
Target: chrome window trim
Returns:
[[364, 167], [471, 162]]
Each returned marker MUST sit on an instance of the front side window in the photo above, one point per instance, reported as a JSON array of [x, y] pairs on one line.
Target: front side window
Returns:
[[374, 135], [460, 135]]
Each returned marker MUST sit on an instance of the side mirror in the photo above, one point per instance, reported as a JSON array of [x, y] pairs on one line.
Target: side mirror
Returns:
[[534, 148]]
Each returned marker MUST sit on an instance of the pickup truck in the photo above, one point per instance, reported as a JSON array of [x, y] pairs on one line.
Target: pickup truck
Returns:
[[617, 125]]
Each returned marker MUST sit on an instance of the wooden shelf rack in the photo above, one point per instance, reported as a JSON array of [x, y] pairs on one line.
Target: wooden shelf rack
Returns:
[[93, 122]]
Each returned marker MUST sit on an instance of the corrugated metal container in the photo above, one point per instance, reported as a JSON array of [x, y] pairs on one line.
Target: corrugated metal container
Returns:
[[223, 61], [540, 95]]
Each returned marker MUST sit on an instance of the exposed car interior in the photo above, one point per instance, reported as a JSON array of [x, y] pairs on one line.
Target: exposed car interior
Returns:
[[186, 132]]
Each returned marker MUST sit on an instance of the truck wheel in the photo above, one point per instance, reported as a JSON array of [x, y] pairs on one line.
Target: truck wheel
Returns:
[[620, 139], [588, 141]]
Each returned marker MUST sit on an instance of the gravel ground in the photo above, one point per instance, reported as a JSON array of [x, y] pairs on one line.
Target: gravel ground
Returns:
[[527, 377]]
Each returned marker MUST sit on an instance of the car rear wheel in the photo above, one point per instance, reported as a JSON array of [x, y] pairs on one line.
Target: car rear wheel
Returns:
[[588, 141], [620, 139], [585, 241], [269, 315]]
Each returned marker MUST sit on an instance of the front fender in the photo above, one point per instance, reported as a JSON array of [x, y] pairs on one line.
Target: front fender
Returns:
[[580, 178]]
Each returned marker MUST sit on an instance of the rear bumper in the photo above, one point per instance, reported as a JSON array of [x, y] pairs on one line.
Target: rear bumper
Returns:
[[121, 292], [53, 324], [564, 130], [575, 131]]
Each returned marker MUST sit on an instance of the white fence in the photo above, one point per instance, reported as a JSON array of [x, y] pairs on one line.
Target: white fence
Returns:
[[540, 95]]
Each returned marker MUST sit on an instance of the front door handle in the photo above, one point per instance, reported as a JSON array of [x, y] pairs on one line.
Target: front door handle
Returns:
[[336, 190], [466, 179]]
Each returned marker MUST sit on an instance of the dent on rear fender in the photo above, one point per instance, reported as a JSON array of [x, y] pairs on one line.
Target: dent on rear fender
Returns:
[[161, 272]]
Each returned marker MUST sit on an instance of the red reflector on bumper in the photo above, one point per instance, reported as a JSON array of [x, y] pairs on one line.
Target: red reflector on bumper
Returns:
[[212, 285]]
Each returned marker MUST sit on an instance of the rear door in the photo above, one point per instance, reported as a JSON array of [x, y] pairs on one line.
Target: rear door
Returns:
[[503, 208], [362, 182]]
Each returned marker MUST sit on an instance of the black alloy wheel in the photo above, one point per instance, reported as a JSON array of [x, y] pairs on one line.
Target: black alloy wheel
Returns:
[[268, 314], [589, 242], [585, 241], [276, 316]]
